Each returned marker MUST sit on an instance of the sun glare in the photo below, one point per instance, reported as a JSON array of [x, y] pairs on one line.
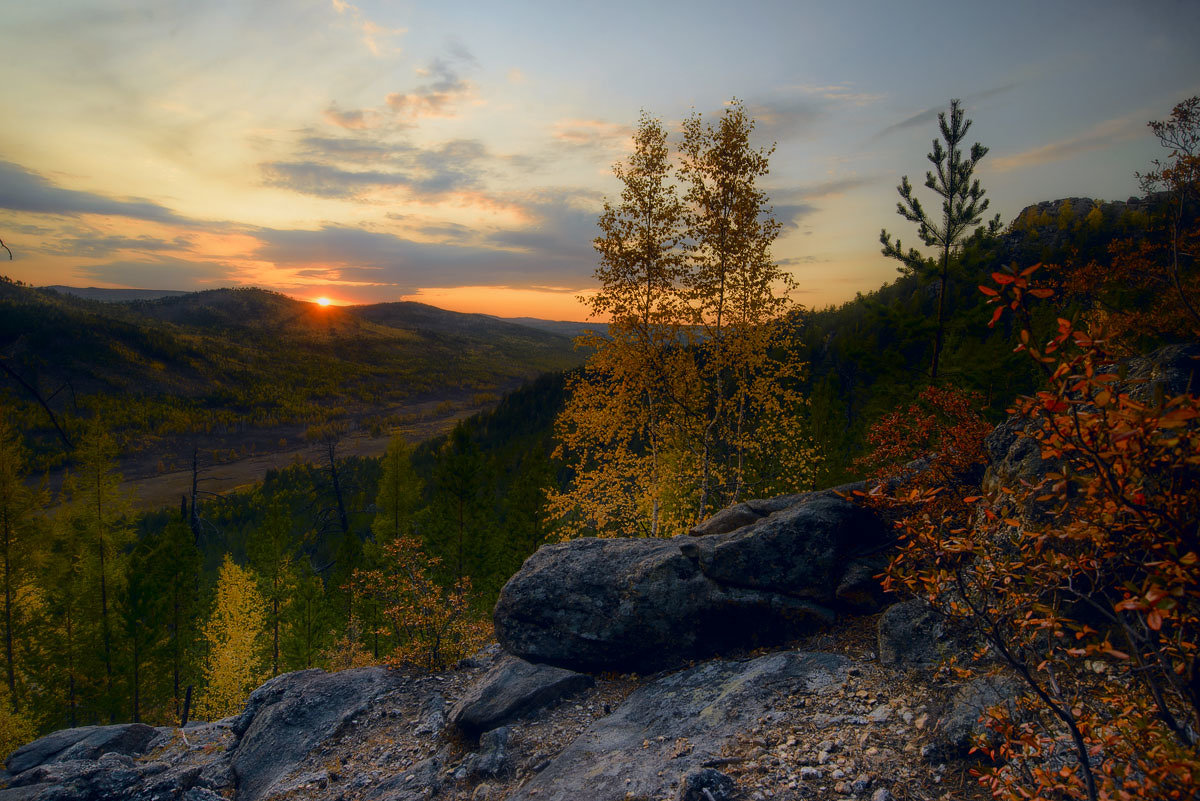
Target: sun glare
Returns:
[[323, 301]]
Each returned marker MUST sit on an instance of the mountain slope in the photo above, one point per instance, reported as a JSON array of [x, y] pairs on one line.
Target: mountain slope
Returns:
[[236, 359]]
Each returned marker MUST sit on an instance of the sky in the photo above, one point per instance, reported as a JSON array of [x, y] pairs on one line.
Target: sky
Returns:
[[458, 153]]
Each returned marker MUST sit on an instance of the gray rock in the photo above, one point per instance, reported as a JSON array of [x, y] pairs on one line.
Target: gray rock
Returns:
[[418, 783], [647, 604], [668, 728], [706, 784], [859, 590], [959, 728], [432, 718], [292, 714], [84, 742], [492, 760], [511, 689], [911, 634], [28, 792]]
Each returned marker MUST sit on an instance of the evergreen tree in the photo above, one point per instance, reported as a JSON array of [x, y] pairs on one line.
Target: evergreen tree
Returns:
[[100, 511], [458, 486], [273, 550], [962, 206], [177, 563], [399, 492], [139, 607], [19, 530]]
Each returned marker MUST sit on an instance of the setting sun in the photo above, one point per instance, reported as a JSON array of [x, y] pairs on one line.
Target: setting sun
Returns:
[[323, 301]]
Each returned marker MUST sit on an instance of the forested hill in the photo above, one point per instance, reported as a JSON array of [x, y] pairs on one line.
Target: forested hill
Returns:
[[240, 359], [871, 356]]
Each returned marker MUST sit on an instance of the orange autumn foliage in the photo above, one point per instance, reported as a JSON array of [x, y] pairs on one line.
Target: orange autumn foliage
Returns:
[[433, 626], [1086, 582]]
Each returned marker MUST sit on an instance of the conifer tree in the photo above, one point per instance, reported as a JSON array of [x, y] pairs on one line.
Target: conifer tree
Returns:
[[177, 563], [399, 491], [458, 481], [100, 511], [234, 634], [962, 207], [139, 608], [273, 551], [19, 528]]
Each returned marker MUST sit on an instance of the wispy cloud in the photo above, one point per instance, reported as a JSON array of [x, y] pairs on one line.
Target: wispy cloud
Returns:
[[1098, 137], [353, 120], [161, 273], [931, 114], [444, 91], [376, 37], [24, 190], [793, 205], [590, 133], [427, 173]]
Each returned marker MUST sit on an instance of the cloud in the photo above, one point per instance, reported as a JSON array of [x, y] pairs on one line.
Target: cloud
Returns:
[[793, 205], [161, 273], [23, 190], [350, 148], [842, 92], [590, 133], [98, 246], [1097, 137], [931, 114], [387, 259], [442, 94], [427, 173], [374, 35], [563, 227], [357, 120]]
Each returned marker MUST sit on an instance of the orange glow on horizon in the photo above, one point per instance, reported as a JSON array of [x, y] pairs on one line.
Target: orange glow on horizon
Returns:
[[323, 301], [505, 301]]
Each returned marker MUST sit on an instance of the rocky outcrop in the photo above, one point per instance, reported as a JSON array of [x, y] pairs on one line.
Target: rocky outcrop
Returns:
[[511, 689], [671, 727], [82, 743], [291, 714], [644, 604]]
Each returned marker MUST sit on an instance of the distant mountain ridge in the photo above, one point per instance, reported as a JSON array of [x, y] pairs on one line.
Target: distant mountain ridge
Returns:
[[248, 359], [114, 295]]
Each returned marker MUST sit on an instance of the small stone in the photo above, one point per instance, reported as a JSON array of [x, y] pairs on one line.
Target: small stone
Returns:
[[838, 774], [861, 784], [808, 772], [882, 794]]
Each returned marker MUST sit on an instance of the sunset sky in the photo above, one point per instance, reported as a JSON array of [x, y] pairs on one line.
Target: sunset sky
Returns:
[[457, 153]]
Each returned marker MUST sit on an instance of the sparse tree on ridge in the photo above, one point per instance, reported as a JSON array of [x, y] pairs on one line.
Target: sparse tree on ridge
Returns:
[[963, 205]]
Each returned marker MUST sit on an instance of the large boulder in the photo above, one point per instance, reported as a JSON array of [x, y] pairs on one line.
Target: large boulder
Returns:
[[511, 689], [667, 730], [294, 713], [82, 743], [648, 604]]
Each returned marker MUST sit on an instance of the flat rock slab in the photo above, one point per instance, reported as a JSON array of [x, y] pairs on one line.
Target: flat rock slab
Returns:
[[292, 714], [511, 689], [84, 742], [694, 712]]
